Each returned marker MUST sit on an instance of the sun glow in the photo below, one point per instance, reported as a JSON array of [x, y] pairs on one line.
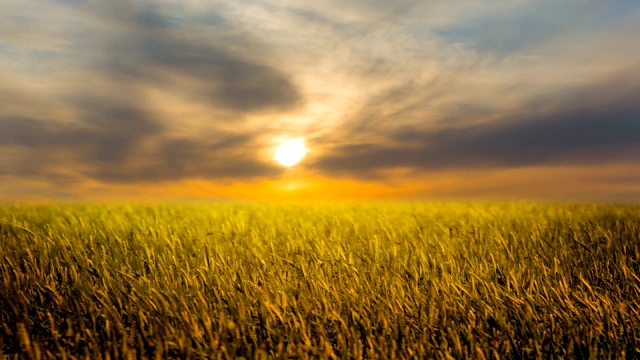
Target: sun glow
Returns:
[[291, 152]]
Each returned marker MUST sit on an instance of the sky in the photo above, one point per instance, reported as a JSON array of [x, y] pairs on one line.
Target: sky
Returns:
[[189, 99]]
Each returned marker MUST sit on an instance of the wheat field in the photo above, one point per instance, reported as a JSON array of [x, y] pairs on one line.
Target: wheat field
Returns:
[[353, 280]]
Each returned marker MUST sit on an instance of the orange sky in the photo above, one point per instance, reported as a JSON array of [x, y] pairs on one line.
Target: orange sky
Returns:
[[612, 183]]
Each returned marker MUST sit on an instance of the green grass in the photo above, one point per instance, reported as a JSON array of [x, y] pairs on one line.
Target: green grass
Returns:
[[477, 280]]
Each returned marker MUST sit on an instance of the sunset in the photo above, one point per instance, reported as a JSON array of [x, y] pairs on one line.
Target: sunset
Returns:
[[291, 152], [100, 97], [320, 179]]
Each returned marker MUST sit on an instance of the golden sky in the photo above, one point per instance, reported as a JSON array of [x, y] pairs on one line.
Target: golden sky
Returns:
[[394, 99]]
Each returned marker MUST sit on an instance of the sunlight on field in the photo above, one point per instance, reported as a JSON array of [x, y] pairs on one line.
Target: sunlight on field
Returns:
[[415, 279]]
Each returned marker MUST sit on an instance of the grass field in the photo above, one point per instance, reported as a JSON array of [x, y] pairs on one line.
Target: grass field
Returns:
[[477, 280]]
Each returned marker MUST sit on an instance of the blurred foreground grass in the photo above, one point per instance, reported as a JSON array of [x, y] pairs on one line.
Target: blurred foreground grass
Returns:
[[477, 280]]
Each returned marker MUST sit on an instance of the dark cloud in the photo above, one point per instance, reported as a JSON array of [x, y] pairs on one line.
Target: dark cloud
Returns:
[[208, 73], [162, 50], [225, 156], [115, 133], [131, 149], [588, 127]]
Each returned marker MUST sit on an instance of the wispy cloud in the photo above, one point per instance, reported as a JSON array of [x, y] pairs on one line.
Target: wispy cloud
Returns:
[[594, 125]]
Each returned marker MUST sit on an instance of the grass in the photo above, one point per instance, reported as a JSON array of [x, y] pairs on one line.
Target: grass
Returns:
[[391, 280]]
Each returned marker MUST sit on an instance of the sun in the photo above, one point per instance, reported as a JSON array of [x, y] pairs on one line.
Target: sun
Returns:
[[291, 152]]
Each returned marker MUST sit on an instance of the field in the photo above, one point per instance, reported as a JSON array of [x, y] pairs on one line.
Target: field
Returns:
[[390, 280]]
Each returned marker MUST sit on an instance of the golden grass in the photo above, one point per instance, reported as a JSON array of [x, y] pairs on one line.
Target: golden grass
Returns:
[[384, 280]]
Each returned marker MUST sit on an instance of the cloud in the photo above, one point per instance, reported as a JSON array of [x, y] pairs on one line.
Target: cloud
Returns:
[[107, 127], [600, 124], [161, 50], [130, 148]]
